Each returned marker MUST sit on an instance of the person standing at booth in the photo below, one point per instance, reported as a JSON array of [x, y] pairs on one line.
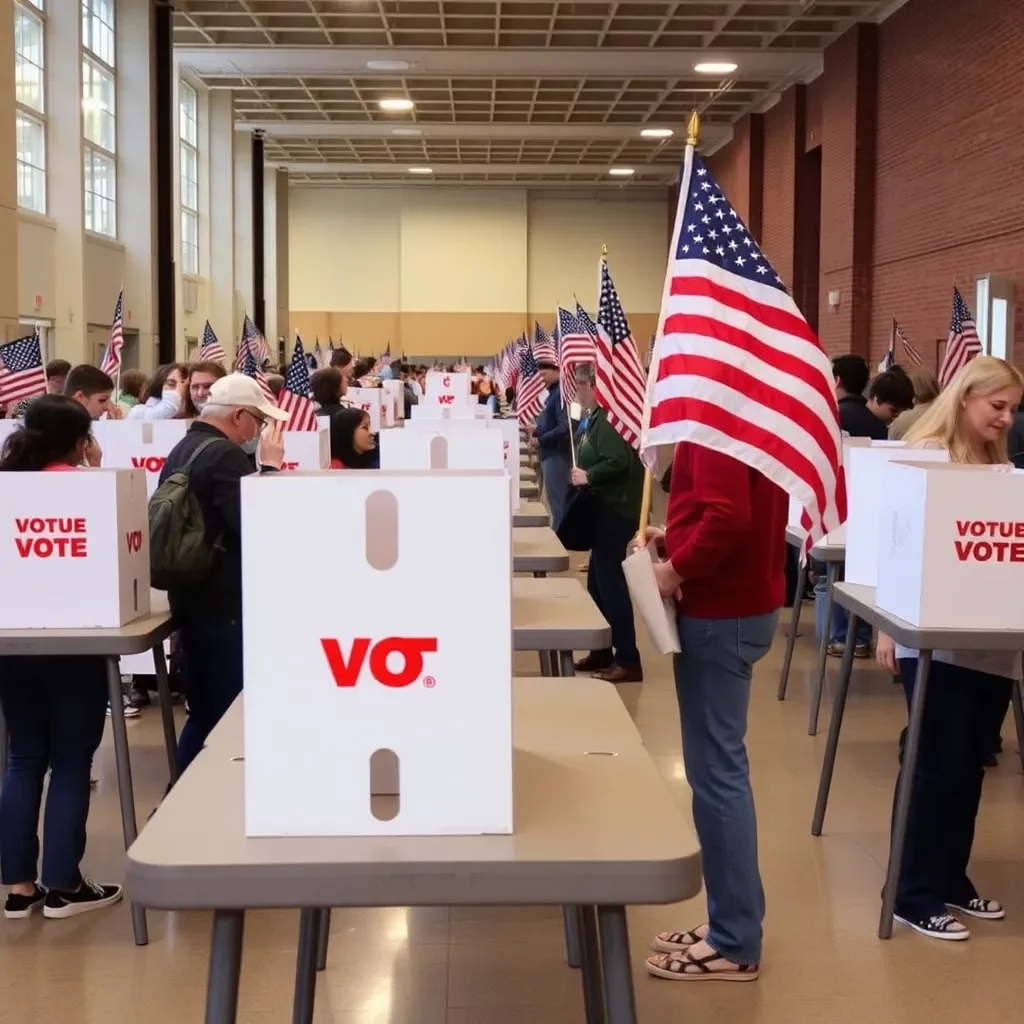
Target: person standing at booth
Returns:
[[551, 439]]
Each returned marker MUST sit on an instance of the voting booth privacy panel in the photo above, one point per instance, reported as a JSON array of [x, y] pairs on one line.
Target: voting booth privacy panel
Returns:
[[307, 449], [410, 659], [951, 550], [139, 444], [75, 553], [421, 449], [369, 400], [448, 389]]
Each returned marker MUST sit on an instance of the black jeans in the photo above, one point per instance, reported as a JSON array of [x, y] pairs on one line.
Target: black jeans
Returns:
[[55, 710], [963, 711], [607, 584], [212, 654]]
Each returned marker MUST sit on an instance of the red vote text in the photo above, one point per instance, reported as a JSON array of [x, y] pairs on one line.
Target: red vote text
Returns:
[[446, 382], [289, 465], [348, 667], [445, 399], [134, 540], [989, 540], [58, 537], [150, 463]]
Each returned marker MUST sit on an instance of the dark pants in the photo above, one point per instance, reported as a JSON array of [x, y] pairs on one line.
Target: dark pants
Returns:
[[55, 710], [554, 468], [607, 584], [962, 712], [212, 653]]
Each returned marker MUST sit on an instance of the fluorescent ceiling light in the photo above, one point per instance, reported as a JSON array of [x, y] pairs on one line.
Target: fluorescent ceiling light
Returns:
[[388, 65], [406, 131], [421, 170], [396, 103], [715, 68], [621, 172], [657, 133]]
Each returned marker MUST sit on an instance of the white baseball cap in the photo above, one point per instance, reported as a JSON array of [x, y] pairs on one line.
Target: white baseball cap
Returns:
[[239, 391]]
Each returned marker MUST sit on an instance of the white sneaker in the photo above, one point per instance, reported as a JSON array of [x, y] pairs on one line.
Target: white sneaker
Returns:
[[129, 710]]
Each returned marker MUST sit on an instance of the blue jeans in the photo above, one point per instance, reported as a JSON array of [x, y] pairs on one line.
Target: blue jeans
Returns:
[[212, 654], [554, 468], [606, 582], [55, 709], [840, 617], [713, 674]]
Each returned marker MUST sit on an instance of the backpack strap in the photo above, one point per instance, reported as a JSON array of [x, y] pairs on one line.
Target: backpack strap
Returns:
[[200, 448]]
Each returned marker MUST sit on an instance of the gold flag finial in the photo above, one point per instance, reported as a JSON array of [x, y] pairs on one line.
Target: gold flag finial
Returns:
[[604, 252], [693, 129]]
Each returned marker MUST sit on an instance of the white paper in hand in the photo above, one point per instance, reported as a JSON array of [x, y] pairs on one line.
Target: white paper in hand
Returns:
[[657, 612]]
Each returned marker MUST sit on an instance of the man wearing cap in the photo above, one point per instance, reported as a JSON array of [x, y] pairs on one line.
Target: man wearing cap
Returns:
[[551, 439], [240, 421]]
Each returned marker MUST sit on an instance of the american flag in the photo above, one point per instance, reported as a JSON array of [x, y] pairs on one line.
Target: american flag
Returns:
[[913, 356], [22, 374], [251, 369], [621, 380], [529, 394], [296, 395], [211, 350], [963, 344], [254, 342], [575, 346], [543, 346], [736, 367], [111, 364], [318, 354], [385, 359]]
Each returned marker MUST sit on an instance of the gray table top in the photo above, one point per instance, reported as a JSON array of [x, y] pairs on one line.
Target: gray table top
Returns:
[[820, 552], [531, 513], [537, 549], [556, 614], [861, 601], [138, 636], [589, 829]]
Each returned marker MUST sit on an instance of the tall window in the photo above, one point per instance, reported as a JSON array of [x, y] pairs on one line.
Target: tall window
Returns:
[[188, 132], [30, 97], [99, 116]]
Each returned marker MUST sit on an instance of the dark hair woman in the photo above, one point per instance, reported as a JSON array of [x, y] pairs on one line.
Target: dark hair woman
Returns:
[[353, 446], [55, 708], [164, 397]]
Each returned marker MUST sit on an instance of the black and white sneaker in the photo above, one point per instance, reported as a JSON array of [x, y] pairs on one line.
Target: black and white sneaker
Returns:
[[18, 907], [987, 910], [130, 711], [939, 926], [89, 896]]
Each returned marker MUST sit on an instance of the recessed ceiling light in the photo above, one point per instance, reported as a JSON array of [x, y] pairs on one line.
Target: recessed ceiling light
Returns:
[[621, 172], [388, 65], [421, 170], [406, 131], [724, 67], [657, 133], [396, 103]]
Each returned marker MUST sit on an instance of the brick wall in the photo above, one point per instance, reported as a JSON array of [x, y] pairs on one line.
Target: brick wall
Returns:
[[780, 185]]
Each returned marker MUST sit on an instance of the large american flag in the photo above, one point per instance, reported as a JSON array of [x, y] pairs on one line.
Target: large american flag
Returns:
[[543, 346], [530, 392], [111, 364], [252, 341], [251, 369], [575, 346], [913, 356], [211, 350], [22, 374], [296, 396], [621, 380], [963, 344], [736, 366]]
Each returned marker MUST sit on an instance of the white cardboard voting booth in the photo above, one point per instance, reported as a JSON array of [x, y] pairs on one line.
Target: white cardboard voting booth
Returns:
[[369, 400], [460, 449], [139, 444], [428, 409], [307, 449], [387, 404], [865, 488], [397, 390], [951, 550], [75, 549], [796, 510], [381, 665], [448, 389], [509, 430]]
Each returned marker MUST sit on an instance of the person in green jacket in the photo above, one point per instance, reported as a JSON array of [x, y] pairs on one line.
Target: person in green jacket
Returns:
[[610, 467]]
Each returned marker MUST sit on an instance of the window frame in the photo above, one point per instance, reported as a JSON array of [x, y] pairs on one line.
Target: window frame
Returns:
[[33, 9], [93, 222], [188, 148]]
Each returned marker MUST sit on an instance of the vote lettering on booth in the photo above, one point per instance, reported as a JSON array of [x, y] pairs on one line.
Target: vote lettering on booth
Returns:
[[443, 388], [75, 549], [951, 551], [138, 444], [410, 659], [369, 400]]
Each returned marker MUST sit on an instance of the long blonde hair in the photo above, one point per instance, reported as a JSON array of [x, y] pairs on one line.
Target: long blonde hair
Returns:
[[943, 423]]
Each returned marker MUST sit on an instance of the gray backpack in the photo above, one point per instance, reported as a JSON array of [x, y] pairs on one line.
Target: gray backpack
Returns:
[[178, 553]]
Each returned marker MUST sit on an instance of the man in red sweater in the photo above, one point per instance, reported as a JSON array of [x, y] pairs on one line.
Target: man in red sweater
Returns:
[[724, 562]]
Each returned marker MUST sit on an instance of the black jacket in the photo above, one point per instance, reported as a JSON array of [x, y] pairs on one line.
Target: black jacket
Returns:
[[1015, 440], [859, 421], [214, 482]]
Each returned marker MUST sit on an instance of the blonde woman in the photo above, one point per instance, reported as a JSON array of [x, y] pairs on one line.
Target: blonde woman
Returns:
[[926, 390], [968, 691]]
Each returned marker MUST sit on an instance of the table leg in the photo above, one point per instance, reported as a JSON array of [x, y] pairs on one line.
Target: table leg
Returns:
[[572, 936], [566, 664], [540, 575], [123, 761], [323, 938], [590, 964], [794, 622], [617, 975], [832, 572], [546, 668], [903, 793], [835, 725], [1018, 721], [163, 689], [225, 966], [305, 966]]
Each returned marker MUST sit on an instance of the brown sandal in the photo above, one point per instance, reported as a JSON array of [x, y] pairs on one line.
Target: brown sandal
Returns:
[[685, 966], [679, 942]]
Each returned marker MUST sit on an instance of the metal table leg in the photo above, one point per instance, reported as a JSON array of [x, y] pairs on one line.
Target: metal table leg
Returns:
[[831, 574], [225, 966], [617, 976], [546, 668], [572, 936], [305, 966], [590, 963], [835, 725], [163, 689], [323, 938], [566, 664], [903, 794], [1018, 721], [123, 761], [794, 623]]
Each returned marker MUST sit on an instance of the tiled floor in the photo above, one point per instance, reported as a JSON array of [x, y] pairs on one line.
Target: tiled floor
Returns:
[[823, 962]]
